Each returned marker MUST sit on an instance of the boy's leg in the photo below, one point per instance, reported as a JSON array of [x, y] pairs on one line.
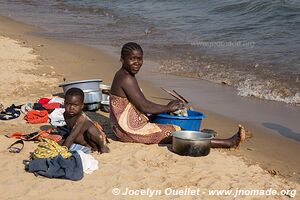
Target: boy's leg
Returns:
[[97, 140]]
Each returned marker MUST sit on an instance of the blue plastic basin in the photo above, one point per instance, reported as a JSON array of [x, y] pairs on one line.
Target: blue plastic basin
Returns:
[[192, 122]]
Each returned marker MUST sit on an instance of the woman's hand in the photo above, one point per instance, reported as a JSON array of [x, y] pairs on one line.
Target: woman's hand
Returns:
[[175, 105]]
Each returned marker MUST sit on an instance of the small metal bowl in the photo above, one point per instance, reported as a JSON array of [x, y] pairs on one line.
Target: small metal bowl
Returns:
[[191, 143], [105, 106]]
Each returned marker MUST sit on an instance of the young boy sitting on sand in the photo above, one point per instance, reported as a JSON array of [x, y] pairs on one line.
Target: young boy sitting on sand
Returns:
[[84, 131]]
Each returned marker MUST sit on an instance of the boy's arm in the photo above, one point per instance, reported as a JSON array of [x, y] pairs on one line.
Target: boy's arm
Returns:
[[77, 129]]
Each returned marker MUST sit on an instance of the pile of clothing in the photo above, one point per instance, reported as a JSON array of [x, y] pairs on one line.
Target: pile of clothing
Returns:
[[36, 113], [44, 109], [10, 112], [51, 160]]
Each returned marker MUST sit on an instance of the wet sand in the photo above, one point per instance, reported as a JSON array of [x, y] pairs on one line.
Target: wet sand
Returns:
[[274, 126], [260, 163]]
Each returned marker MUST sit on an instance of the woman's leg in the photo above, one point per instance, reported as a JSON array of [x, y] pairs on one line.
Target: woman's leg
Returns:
[[231, 142]]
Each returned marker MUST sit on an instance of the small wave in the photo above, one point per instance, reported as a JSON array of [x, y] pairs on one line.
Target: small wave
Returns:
[[234, 7], [84, 8], [263, 90], [252, 82], [254, 7]]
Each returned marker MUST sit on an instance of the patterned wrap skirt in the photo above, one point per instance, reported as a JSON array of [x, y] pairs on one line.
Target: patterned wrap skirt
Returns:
[[130, 125]]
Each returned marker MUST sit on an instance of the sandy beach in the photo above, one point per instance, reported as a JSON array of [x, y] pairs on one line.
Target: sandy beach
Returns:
[[33, 67]]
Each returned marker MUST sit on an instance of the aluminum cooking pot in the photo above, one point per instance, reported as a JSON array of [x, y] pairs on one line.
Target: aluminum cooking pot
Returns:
[[191, 143], [92, 99], [91, 84]]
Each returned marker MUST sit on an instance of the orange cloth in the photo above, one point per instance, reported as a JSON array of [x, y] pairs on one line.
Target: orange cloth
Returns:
[[23, 136], [36, 116], [51, 134]]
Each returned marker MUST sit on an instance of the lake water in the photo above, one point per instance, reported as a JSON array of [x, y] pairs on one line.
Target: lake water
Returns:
[[251, 45]]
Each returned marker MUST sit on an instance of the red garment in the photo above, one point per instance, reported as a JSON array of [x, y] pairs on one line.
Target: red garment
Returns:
[[49, 134], [43, 101], [51, 106], [36, 116]]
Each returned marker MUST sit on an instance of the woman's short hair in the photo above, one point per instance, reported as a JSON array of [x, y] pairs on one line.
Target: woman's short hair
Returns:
[[129, 47]]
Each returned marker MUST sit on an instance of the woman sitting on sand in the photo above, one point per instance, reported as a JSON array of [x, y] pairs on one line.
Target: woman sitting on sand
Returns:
[[128, 107]]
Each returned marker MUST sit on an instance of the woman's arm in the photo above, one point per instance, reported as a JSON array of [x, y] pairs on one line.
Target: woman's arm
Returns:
[[136, 97]]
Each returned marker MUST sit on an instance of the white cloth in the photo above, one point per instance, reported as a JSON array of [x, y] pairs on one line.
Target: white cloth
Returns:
[[76, 147], [57, 117], [26, 107], [89, 163], [57, 100]]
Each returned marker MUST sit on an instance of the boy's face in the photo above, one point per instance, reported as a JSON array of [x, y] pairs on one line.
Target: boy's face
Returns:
[[133, 62], [73, 105]]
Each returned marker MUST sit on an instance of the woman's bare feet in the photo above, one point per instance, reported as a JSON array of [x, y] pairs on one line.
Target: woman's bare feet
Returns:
[[239, 137], [232, 142]]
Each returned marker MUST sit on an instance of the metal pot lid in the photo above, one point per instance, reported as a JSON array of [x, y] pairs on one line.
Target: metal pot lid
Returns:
[[82, 81], [192, 135], [105, 102], [105, 87], [91, 91]]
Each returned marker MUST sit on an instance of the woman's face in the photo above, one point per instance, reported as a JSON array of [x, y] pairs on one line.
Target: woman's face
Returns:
[[133, 62]]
